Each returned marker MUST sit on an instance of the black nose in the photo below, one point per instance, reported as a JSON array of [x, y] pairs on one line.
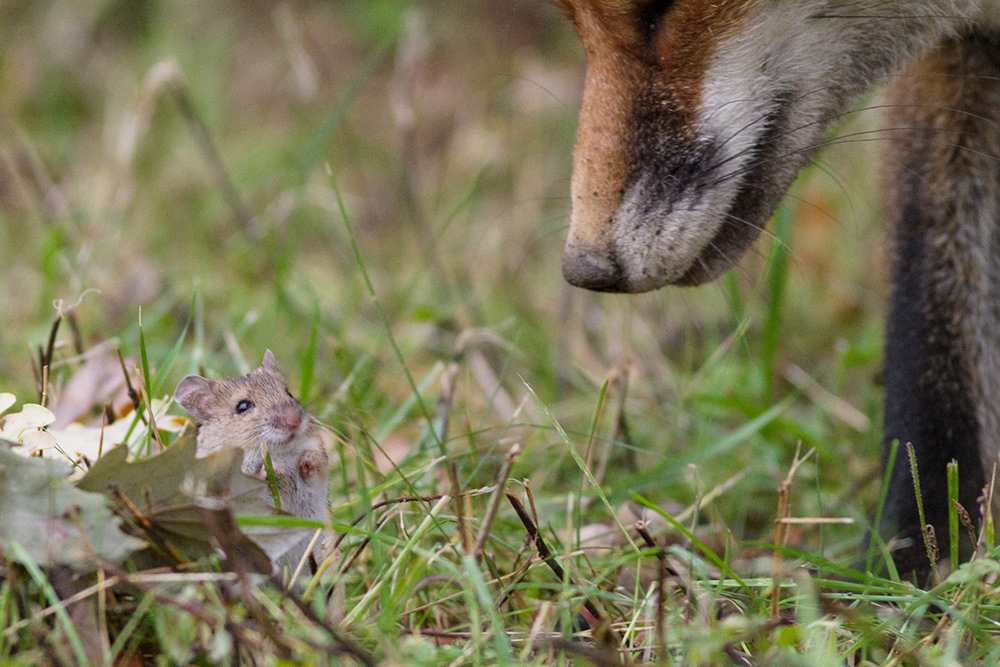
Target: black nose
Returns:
[[596, 270]]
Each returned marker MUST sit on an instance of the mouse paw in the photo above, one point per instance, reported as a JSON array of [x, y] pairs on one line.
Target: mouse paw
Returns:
[[261, 473], [308, 465]]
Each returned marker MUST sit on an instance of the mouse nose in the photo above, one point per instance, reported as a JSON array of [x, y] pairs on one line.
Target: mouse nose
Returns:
[[593, 269], [290, 417]]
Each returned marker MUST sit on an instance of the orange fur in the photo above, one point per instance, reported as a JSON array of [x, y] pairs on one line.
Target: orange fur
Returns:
[[621, 72]]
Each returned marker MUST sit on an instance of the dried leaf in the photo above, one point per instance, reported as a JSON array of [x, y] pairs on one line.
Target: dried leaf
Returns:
[[95, 383], [77, 441], [31, 416], [37, 507], [172, 489]]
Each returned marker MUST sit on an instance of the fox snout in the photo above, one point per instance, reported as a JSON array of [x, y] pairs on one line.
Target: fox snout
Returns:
[[662, 226], [648, 208], [697, 115]]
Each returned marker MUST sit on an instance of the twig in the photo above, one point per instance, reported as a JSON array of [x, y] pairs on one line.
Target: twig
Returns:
[[494, 503], [536, 628], [130, 390], [543, 550], [661, 575], [156, 540], [620, 432], [447, 397], [599, 655], [460, 504], [51, 610], [781, 527], [307, 556], [717, 491], [348, 562], [46, 359], [155, 432], [36, 368], [403, 499], [51, 345], [386, 503], [444, 413], [987, 532], [827, 400], [966, 521], [74, 328], [515, 577]]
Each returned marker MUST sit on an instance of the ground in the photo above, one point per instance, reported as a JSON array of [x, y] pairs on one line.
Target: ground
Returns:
[[377, 191]]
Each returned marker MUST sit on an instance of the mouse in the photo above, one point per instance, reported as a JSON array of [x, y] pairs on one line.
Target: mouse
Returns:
[[258, 414]]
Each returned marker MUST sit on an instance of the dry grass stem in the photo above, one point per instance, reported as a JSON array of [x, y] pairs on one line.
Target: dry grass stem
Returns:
[[494, 501]]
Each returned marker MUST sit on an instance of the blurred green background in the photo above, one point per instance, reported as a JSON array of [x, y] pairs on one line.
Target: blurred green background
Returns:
[[151, 149]]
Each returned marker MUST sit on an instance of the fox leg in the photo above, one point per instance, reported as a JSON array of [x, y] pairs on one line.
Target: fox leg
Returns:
[[942, 360]]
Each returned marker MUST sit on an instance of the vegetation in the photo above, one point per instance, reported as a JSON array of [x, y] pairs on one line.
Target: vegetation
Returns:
[[377, 191]]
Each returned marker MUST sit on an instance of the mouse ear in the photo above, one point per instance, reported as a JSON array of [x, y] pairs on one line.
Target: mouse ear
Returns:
[[193, 393], [269, 364]]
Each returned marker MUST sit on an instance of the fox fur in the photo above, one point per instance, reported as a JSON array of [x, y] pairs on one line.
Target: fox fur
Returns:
[[697, 116]]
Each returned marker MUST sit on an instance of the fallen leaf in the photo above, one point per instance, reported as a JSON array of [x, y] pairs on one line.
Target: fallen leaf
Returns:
[[37, 508], [31, 416], [95, 383], [171, 489], [77, 441]]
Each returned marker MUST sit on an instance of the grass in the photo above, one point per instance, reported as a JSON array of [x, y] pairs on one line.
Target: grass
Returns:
[[377, 191]]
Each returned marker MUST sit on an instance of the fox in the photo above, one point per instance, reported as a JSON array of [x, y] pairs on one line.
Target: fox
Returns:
[[697, 116]]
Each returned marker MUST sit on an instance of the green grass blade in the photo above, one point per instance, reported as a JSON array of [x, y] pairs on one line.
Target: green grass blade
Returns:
[[198, 354], [134, 619], [953, 513], [777, 279], [582, 465], [146, 379], [164, 371], [411, 402], [309, 360], [500, 639], [669, 470], [709, 554], [920, 504], [313, 155], [590, 445], [401, 559], [385, 323], [50, 594], [272, 480], [877, 523]]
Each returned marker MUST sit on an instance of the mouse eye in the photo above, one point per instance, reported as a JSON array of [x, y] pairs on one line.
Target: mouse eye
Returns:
[[243, 406]]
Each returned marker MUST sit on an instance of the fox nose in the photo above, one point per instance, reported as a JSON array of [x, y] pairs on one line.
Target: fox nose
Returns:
[[592, 269]]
